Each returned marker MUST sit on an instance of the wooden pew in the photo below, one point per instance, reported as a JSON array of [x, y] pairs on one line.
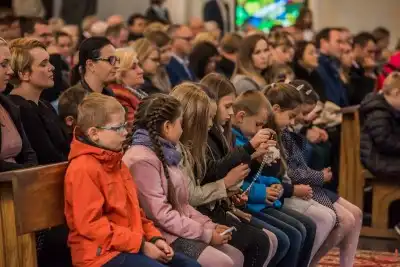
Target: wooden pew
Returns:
[[351, 180], [353, 177], [30, 200]]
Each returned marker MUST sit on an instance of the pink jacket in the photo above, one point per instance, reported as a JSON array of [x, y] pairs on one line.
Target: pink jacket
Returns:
[[152, 186]]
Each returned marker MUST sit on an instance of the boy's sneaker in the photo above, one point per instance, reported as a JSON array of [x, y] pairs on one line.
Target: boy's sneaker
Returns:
[[397, 228]]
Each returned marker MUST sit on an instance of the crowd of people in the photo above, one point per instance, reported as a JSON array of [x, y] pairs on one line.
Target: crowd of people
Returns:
[[189, 145]]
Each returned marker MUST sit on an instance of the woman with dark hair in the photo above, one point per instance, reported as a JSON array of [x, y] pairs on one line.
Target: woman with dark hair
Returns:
[[305, 65], [15, 149], [203, 59], [96, 67], [252, 61]]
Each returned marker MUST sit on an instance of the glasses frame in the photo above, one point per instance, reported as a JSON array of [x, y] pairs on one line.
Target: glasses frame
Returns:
[[118, 129], [109, 60]]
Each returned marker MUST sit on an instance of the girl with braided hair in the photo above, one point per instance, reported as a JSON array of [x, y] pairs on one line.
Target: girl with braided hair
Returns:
[[154, 161]]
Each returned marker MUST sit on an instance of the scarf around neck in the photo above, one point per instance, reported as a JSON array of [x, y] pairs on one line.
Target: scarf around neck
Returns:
[[172, 155]]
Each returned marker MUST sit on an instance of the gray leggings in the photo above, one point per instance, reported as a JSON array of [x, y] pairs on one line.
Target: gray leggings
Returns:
[[323, 217], [221, 256]]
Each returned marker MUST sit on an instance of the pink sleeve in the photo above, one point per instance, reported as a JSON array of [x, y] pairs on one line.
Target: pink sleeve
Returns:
[[201, 218], [156, 206]]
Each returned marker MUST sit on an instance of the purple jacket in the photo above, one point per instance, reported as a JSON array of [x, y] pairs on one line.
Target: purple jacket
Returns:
[[147, 169]]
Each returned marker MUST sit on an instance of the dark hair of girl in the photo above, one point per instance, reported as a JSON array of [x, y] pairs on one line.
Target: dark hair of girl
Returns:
[[89, 49], [151, 115], [222, 87], [200, 57], [307, 92]]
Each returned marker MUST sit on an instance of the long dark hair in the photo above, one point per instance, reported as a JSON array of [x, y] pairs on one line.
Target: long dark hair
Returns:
[[200, 56], [222, 87], [151, 114], [89, 49]]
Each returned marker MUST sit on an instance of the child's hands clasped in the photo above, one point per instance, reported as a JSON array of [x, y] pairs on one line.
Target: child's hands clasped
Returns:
[[303, 191], [158, 250]]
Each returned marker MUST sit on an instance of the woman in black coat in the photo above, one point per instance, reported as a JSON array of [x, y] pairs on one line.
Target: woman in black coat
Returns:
[[305, 65], [15, 149]]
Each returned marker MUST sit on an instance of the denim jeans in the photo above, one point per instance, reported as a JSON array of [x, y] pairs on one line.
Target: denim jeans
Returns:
[[283, 240], [131, 259], [303, 223], [286, 231]]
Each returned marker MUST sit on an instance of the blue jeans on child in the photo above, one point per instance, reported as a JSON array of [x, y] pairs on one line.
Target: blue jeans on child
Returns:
[[290, 232], [131, 260]]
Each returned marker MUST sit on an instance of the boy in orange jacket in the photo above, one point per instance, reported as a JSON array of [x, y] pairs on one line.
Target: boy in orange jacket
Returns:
[[107, 226]]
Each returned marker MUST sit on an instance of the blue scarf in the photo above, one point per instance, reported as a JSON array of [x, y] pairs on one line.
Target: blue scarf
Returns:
[[171, 154]]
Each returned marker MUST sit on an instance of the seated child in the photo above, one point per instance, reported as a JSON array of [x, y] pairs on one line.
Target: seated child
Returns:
[[380, 134], [154, 160], [250, 115], [349, 217], [211, 197], [285, 100], [107, 226], [68, 108]]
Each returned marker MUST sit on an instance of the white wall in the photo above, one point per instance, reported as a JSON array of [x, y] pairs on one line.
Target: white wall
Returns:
[[358, 15]]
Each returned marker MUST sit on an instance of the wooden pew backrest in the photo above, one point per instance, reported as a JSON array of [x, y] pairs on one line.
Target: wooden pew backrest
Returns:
[[38, 197]]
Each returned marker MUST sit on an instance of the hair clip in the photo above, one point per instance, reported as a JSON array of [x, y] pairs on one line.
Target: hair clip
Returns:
[[300, 87], [309, 92]]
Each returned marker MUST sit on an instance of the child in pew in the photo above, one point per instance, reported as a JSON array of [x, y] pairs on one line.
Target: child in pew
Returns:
[[250, 115], [349, 217], [107, 226], [287, 100], [210, 197], [380, 131], [154, 160], [68, 108]]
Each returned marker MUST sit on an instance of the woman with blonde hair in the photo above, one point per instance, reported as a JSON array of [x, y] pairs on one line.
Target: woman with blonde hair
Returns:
[[16, 151], [33, 73], [128, 79], [252, 60], [149, 59]]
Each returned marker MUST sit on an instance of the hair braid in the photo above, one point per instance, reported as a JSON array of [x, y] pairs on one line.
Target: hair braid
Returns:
[[151, 114]]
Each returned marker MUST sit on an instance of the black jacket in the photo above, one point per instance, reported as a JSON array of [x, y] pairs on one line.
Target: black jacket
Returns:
[[221, 159], [27, 157], [380, 136], [360, 85], [226, 67], [313, 78], [153, 16], [43, 129], [212, 12]]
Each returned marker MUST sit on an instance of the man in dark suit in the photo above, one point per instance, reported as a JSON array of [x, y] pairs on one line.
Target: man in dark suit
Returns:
[[157, 13], [218, 11], [178, 68]]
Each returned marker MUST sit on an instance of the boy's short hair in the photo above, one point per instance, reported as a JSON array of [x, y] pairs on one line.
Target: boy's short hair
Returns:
[[69, 101], [115, 30], [96, 110], [391, 82], [250, 102]]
